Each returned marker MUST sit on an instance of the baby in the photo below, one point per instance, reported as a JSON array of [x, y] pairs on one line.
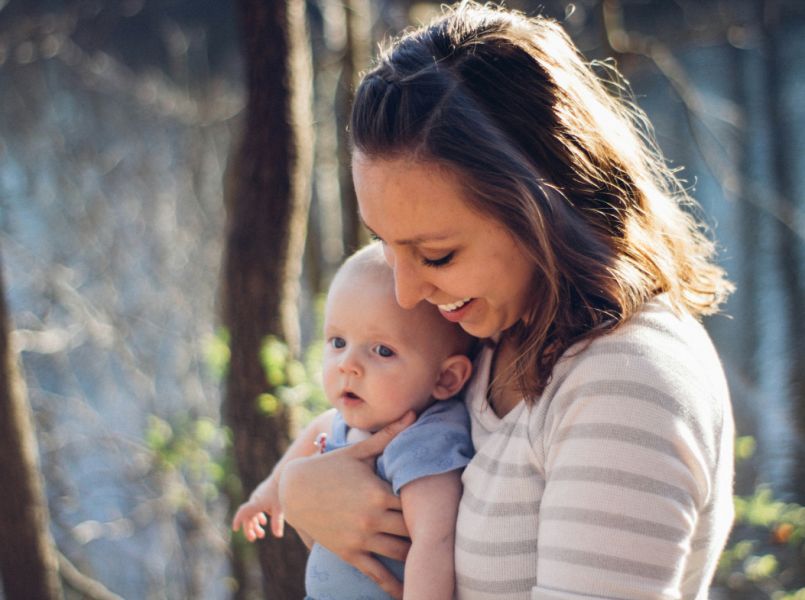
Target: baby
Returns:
[[380, 362]]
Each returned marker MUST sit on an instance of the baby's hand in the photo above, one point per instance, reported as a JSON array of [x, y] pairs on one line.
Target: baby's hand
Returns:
[[252, 514]]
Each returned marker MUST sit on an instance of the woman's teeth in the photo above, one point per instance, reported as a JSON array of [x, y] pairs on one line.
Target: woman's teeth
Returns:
[[454, 305]]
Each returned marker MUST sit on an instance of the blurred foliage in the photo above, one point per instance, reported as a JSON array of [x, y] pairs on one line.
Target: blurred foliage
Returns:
[[765, 555], [293, 383], [196, 448], [290, 382], [217, 354], [192, 448]]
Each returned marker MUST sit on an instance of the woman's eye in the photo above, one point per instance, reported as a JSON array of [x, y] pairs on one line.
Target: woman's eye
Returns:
[[384, 351], [438, 262], [338, 342]]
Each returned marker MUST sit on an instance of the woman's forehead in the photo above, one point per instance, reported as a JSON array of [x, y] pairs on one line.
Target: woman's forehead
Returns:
[[410, 203], [402, 176]]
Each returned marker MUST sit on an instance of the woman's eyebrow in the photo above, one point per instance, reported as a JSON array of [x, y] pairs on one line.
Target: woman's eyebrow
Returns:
[[369, 229], [417, 239]]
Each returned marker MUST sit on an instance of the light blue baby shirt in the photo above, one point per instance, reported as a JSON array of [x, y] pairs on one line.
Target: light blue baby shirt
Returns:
[[438, 442]]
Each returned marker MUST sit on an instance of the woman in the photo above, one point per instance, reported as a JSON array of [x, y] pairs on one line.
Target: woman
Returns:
[[513, 187]]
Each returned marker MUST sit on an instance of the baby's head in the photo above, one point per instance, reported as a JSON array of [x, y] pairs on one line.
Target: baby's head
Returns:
[[380, 360]]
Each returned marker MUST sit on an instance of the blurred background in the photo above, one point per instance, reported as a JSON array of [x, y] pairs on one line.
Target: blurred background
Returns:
[[123, 127]]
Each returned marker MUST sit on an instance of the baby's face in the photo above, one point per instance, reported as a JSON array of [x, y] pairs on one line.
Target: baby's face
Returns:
[[380, 361]]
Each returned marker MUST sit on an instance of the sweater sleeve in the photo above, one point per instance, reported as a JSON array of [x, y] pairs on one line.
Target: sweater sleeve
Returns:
[[630, 446]]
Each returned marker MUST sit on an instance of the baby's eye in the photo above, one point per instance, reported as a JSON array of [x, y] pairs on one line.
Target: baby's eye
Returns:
[[383, 351], [337, 342]]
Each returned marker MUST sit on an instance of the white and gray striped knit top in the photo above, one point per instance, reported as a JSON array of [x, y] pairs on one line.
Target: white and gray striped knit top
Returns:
[[615, 483]]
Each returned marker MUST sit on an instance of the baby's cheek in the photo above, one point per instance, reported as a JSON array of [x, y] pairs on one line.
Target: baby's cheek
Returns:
[[329, 380]]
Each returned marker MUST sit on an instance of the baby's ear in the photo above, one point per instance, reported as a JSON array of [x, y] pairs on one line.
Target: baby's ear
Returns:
[[455, 372]]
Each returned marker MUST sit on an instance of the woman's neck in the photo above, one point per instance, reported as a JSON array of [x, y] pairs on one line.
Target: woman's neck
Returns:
[[503, 394]]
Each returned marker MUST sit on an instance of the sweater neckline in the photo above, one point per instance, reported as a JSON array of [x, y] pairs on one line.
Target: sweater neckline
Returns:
[[477, 393]]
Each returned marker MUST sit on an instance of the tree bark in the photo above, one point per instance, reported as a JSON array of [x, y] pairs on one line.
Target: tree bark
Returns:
[[749, 218], [267, 203], [28, 561], [788, 245], [354, 60]]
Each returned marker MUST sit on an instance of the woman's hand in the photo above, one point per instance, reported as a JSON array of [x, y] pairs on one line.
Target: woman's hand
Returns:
[[342, 504]]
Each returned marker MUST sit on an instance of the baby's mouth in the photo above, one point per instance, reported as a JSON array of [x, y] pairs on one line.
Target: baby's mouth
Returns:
[[351, 395]]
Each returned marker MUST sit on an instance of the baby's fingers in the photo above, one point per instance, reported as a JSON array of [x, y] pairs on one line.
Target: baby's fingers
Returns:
[[277, 523], [253, 530], [241, 517]]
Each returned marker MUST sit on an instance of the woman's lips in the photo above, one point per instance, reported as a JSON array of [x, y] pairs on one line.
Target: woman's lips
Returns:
[[457, 314]]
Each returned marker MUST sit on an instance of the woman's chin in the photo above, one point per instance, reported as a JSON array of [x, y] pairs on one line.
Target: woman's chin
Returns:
[[486, 329], [479, 330]]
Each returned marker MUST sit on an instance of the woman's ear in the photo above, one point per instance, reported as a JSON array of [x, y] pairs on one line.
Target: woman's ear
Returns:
[[455, 372]]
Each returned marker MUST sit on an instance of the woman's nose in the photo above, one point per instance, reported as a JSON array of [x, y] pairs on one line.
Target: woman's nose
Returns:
[[409, 286]]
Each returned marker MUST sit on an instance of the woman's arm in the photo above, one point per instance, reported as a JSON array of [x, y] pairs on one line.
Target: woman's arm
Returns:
[[343, 505], [430, 506]]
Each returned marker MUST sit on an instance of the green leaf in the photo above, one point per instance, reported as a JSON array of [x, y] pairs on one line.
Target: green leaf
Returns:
[[274, 354], [296, 373], [216, 353], [745, 447], [206, 431], [158, 434], [268, 404], [758, 568]]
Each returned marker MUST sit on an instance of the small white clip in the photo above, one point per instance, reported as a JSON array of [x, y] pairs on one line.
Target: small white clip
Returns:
[[321, 442]]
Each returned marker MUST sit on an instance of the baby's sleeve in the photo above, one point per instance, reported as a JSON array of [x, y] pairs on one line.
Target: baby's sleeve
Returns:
[[438, 442]]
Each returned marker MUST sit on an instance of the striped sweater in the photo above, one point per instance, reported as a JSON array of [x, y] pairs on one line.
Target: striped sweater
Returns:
[[615, 483]]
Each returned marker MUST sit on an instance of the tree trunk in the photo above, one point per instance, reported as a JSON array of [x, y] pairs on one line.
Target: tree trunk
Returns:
[[354, 60], [788, 245], [267, 203], [28, 561], [749, 218]]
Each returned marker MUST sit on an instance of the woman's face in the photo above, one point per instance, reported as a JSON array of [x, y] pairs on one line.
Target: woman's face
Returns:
[[441, 250]]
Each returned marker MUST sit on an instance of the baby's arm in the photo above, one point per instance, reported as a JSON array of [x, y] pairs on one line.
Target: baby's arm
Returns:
[[430, 507], [265, 498]]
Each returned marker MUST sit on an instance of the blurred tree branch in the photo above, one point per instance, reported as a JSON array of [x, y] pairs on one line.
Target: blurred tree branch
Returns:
[[28, 563], [51, 36], [731, 180], [86, 586]]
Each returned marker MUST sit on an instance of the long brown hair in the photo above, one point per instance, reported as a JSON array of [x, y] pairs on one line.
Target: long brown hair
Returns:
[[556, 152]]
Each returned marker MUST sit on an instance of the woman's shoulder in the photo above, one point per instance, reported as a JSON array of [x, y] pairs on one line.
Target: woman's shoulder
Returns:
[[652, 390], [657, 343], [659, 365]]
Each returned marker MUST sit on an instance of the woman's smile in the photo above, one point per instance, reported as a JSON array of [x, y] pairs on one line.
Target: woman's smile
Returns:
[[457, 311], [454, 306]]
